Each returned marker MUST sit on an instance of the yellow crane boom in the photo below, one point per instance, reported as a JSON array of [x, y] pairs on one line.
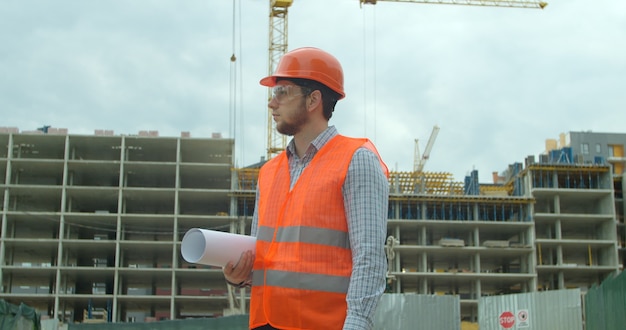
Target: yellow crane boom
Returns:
[[487, 3]]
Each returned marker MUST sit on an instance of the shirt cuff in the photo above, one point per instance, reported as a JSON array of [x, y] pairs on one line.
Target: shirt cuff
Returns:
[[243, 284], [354, 322]]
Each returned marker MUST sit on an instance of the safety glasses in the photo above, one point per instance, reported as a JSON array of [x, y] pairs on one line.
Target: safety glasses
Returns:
[[285, 93]]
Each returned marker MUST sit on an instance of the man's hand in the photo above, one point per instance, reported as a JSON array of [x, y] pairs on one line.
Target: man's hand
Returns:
[[240, 272]]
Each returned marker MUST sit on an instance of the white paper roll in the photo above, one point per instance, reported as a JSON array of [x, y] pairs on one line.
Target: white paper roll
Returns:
[[214, 248]]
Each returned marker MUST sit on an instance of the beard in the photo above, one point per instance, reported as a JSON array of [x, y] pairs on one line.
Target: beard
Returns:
[[293, 124]]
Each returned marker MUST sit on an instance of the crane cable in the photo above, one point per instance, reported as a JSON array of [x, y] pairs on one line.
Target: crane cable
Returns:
[[235, 98], [373, 71], [232, 104], [241, 108], [374, 75]]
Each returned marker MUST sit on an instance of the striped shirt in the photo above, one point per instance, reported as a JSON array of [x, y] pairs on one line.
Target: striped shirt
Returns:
[[365, 194]]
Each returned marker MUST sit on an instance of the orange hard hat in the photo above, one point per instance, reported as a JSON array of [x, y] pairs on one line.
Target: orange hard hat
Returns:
[[309, 63]]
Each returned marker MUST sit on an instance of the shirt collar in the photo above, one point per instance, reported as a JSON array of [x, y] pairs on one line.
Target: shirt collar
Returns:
[[316, 144]]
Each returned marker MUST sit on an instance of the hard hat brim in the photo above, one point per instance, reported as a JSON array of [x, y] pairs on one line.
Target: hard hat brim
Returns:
[[269, 81]]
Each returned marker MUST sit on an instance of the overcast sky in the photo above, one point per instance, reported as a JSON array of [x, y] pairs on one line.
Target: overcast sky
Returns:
[[497, 81]]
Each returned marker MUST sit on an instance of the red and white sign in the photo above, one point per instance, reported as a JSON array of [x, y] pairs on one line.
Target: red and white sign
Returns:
[[522, 318], [507, 320]]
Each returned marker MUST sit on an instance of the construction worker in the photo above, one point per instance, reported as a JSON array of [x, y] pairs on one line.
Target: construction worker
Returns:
[[320, 213]]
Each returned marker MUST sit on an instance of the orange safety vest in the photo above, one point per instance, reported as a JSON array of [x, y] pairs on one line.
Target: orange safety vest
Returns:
[[303, 261]]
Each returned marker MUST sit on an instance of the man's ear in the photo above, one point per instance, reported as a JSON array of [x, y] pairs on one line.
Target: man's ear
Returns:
[[314, 100]]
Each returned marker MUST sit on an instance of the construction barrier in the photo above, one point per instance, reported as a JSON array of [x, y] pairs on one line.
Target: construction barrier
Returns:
[[406, 311], [236, 322], [554, 310], [605, 304], [394, 312]]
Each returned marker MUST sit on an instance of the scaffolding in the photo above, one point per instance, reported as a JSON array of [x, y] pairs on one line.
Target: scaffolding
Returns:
[[431, 183]]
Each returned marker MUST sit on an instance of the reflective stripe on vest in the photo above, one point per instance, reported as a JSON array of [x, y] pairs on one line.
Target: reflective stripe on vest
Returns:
[[304, 234], [303, 281]]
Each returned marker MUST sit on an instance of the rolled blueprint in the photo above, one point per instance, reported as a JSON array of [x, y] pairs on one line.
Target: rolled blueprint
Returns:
[[214, 248]]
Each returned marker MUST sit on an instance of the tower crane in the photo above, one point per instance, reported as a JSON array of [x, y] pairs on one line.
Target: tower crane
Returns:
[[420, 161], [276, 142]]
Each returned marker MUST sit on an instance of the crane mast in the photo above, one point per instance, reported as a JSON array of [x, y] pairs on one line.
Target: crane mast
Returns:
[[277, 142]]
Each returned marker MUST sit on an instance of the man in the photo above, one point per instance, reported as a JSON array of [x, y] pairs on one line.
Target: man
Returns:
[[321, 210]]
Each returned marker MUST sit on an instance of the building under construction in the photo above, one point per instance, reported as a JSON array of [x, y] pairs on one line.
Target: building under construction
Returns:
[[92, 224]]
